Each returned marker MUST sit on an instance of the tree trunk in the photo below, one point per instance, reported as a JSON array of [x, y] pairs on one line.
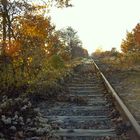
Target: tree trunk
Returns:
[[4, 24]]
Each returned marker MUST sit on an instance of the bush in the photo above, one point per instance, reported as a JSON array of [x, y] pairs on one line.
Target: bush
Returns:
[[56, 62]]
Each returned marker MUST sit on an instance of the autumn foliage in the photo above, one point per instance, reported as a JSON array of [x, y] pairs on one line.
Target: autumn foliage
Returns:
[[34, 55], [132, 41]]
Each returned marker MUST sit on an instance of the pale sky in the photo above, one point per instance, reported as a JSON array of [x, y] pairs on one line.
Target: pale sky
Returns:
[[100, 23]]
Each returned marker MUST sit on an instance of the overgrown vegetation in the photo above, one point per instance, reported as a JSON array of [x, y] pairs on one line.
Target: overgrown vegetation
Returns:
[[33, 54]]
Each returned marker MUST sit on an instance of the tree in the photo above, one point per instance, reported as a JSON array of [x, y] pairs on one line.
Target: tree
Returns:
[[27, 41], [72, 42], [132, 41], [131, 46], [128, 44], [114, 52], [136, 31], [97, 52], [32, 40], [10, 11], [20, 27]]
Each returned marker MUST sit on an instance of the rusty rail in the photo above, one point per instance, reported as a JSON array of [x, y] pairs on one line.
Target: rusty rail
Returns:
[[123, 107]]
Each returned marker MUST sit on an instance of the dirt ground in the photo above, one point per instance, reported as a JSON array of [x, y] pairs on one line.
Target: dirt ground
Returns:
[[127, 84]]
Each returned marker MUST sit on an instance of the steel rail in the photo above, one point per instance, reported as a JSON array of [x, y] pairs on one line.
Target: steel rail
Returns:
[[125, 110]]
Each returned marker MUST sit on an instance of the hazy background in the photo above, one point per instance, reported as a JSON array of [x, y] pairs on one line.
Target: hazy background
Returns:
[[100, 23]]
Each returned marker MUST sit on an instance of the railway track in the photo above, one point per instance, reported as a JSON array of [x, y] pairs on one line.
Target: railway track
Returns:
[[97, 117]]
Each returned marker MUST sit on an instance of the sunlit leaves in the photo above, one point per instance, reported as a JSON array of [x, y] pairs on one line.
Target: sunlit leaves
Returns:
[[32, 47], [14, 49], [35, 26], [130, 44]]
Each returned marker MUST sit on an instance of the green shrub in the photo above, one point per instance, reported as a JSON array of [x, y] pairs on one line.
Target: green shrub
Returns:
[[56, 62]]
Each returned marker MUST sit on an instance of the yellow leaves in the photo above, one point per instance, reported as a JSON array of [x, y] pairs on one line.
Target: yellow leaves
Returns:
[[132, 41], [35, 26], [53, 45], [29, 30], [29, 59], [17, 63], [129, 43]]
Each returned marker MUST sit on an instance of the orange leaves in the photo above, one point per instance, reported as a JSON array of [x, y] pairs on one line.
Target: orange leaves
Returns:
[[137, 33], [13, 49]]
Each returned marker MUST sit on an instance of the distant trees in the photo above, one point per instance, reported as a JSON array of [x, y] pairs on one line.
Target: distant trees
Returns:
[[97, 52], [100, 53], [73, 44]]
